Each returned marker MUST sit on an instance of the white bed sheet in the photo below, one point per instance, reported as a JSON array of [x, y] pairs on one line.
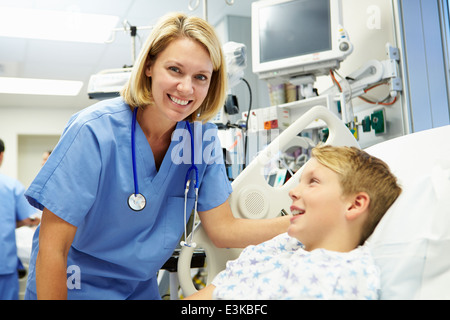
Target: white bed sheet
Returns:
[[412, 242]]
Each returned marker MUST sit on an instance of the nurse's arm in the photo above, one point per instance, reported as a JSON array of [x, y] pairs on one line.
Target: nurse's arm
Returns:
[[203, 294], [55, 239], [226, 231]]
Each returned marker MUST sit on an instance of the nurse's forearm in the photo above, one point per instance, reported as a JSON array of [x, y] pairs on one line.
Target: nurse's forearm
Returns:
[[245, 232], [51, 283], [226, 231], [55, 239]]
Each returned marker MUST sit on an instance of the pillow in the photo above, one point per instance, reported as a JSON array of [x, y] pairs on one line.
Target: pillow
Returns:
[[411, 244]]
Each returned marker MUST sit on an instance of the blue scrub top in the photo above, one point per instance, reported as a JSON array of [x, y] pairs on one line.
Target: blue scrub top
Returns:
[[13, 207], [87, 180]]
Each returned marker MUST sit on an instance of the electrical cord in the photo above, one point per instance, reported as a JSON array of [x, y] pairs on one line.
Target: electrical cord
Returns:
[[246, 122], [381, 102]]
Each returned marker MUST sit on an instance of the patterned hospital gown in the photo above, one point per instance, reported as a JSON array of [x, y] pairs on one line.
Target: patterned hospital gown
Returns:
[[281, 269]]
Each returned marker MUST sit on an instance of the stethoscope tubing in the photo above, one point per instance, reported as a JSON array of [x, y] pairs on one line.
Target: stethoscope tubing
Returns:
[[187, 184], [193, 167], [133, 151]]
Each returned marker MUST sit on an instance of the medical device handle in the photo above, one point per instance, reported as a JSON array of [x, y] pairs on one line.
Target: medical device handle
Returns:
[[216, 260], [254, 198]]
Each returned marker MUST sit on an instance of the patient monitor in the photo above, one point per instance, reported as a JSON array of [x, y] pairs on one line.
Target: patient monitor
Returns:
[[254, 198], [294, 39]]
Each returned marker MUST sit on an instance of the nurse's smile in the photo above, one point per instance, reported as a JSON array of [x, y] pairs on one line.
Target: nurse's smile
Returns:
[[178, 101]]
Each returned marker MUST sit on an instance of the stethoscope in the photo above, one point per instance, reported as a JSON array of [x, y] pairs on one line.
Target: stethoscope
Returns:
[[137, 201]]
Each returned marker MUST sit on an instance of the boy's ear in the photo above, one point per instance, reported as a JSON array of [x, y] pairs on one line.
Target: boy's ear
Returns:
[[358, 204]]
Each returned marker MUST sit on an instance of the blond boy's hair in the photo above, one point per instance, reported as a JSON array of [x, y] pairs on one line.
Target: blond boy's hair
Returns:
[[137, 92], [360, 172]]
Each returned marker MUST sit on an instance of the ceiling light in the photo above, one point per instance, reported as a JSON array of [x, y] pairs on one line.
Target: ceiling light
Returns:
[[68, 25], [40, 86]]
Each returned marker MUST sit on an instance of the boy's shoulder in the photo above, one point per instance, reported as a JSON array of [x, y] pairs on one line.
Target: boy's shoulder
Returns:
[[281, 243]]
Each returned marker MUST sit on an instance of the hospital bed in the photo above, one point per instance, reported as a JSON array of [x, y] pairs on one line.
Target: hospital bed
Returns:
[[411, 245]]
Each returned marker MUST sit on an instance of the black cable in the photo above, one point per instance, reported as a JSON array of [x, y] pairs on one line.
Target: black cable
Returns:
[[246, 122]]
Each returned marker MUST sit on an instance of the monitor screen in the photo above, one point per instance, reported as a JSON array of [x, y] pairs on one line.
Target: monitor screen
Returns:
[[292, 38], [292, 29]]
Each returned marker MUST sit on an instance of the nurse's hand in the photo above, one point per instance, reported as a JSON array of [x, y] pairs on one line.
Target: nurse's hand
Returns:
[[203, 294], [29, 222], [55, 239]]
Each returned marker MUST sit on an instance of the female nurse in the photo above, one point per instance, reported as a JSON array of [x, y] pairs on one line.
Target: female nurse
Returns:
[[91, 244]]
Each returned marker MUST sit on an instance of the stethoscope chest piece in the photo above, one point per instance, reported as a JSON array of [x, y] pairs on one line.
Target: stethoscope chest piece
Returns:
[[136, 202]]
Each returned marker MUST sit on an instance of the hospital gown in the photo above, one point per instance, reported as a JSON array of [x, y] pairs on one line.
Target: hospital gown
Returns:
[[281, 269]]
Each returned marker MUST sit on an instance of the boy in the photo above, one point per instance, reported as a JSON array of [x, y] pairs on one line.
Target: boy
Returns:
[[342, 194]]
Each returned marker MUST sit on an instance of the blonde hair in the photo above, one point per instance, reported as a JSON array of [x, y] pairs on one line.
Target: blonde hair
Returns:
[[360, 172], [137, 91]]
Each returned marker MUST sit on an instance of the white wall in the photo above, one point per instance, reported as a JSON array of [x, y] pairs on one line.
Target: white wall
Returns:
[[26, 122], [31, 148]]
